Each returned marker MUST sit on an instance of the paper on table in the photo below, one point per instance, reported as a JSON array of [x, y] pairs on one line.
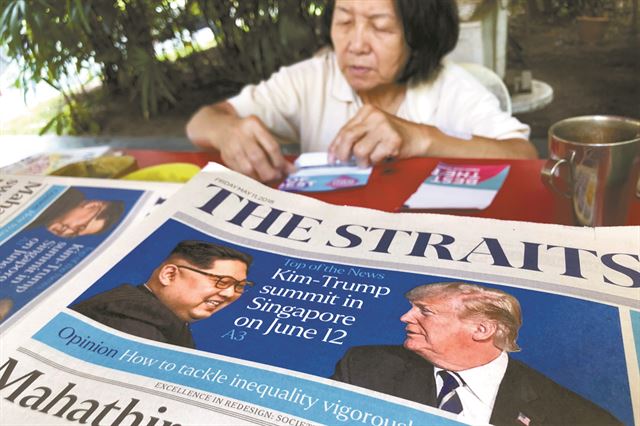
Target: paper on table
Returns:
[[312, 159], [315, 174], [48, 162], [463, 186]]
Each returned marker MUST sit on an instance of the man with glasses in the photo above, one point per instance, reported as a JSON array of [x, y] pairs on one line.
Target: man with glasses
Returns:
[[197, 280]]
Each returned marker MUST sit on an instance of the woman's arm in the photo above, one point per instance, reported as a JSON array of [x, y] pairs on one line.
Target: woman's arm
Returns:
[[436, 143], [373, 135]]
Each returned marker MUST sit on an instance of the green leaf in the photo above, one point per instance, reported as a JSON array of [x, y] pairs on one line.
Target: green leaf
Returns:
[[6, 29], [16, 19], [49, 124], [83, 18], [59, 126]]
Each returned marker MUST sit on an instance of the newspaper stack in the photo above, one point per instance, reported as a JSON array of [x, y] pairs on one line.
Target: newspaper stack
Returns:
[[311, 313]]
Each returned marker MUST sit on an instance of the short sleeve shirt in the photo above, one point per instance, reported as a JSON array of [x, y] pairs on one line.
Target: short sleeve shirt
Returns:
[[310, 101]]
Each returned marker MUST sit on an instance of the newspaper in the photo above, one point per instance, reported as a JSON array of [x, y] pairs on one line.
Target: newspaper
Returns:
[[51, 227], [48, 162], [320, 337]]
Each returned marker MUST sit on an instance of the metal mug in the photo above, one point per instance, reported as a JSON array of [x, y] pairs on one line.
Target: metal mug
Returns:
[[596, 161]]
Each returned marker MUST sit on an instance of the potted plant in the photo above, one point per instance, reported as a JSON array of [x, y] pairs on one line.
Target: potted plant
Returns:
[[592, 20]]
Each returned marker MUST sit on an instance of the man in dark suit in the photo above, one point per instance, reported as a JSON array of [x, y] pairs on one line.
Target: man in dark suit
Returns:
[[197, 280], [455, 358]]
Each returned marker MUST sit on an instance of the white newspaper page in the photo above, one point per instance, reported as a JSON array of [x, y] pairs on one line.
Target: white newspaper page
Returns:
[[234, 303]]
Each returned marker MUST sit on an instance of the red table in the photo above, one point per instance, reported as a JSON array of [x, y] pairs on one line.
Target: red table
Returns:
[[522, 197]]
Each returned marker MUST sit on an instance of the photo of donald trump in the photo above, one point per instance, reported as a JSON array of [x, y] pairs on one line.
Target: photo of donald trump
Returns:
[[455, 357]]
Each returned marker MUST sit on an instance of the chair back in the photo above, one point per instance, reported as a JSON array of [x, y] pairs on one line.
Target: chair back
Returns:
[[491, 81]]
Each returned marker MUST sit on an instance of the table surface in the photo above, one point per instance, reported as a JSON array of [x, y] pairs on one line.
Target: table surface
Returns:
[[522, 197]]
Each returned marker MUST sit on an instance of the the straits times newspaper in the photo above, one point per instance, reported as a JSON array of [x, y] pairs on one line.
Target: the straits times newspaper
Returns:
[[51, 227], [317, 314]]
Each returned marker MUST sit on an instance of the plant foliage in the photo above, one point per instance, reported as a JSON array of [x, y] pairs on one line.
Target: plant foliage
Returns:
[[124, 43], [569, 8], [591, 7]]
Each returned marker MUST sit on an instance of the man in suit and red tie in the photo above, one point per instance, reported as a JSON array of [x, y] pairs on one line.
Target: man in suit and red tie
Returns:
[[455, 357]]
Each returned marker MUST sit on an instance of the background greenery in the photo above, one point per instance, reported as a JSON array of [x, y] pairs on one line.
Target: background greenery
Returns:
[[146, 50]]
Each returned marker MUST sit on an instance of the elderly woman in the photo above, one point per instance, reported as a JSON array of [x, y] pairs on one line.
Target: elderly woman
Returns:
[[382, 92]]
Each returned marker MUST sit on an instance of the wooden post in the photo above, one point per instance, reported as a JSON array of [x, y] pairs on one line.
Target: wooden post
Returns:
[[634, 17]]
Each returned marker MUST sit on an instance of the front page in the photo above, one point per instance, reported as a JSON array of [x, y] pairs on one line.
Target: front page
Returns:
[[51, 227], [326, 335]]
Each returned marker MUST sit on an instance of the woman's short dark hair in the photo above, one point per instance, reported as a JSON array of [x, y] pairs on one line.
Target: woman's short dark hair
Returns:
[[431, 29], [65, 202], [111, 214], [71, 199]]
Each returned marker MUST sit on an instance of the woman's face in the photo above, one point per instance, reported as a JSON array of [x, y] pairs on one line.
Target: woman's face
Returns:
[[82, 219], [368, 39]]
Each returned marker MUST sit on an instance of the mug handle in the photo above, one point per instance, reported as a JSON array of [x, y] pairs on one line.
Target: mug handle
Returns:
[[548, 173]]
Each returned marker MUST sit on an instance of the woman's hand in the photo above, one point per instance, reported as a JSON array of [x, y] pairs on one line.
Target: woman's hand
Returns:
[[252, 150], [373, 135], [245, 144]]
